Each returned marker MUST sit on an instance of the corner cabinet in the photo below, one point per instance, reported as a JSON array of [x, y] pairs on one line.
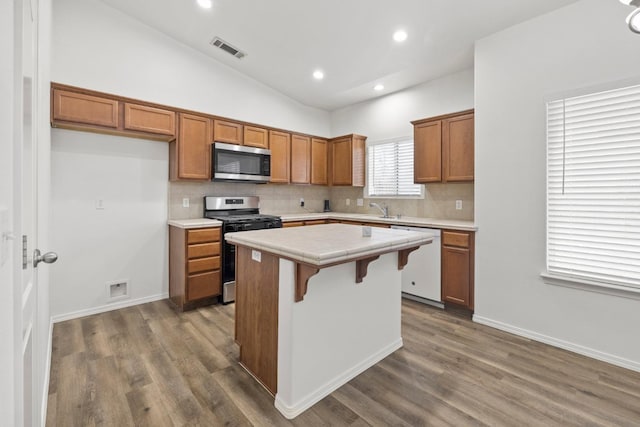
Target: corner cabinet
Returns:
[[194, 267], [346, 160], [444, 148], [190, 154], [457, 268]]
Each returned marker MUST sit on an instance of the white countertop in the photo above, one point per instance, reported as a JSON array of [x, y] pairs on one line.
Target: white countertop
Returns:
[[195, 223], [404, 220], [326, 244]]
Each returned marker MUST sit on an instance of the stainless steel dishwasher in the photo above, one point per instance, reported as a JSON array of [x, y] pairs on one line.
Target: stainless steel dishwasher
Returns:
[[421, 276]]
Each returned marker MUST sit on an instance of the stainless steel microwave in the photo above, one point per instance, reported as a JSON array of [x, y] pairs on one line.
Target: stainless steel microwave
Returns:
[[231, 162]]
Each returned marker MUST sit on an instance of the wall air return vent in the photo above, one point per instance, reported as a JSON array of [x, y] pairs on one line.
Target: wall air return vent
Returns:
[[221, 44]]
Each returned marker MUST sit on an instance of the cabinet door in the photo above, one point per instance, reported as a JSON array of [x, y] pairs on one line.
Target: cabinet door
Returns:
[[456, 269], [229, 132], [300, 156], [149, 119], [357, 161], [280, 143], [319, 161], [194, 147], [256, 137], [457, 148], [341, 161], [427, 149], [84, 109]]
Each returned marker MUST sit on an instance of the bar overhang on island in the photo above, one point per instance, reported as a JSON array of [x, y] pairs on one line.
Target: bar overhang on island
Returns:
[[317, 305]]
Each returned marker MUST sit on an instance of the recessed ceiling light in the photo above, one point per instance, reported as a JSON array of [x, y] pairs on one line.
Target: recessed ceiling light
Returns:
[[205, 4], [318, 75], [378, 87], [400, 35]]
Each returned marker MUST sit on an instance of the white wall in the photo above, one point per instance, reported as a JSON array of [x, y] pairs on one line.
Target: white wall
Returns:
[[127, 240], [581, 45], [97, 47], [390, 116]]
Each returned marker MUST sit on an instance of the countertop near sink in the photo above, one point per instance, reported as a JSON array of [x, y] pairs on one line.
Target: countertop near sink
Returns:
[[195, 223], [404, 220]]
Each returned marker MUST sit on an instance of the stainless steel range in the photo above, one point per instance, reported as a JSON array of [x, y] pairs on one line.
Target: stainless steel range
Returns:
[[236, 214]]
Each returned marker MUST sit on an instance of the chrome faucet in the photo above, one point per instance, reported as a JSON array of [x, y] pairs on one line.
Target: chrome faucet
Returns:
[[383, 209]]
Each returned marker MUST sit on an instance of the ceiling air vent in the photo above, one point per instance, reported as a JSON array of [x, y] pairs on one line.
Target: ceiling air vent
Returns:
[[221, 44]]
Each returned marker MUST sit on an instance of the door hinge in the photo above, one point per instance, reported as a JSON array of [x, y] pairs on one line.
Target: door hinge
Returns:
[[24, 252]]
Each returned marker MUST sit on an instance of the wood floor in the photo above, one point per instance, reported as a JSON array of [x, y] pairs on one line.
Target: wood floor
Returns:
[[149, 366]]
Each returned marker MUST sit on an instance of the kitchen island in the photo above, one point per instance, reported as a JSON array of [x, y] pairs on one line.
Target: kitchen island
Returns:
[[316, 306]]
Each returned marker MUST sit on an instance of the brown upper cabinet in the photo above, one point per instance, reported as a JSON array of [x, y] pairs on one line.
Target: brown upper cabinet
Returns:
[[300, 159], [319, 161], [346, 160], [256, 137], [89, 111], [444, 148], [280, 143], [149, 119], [229, 132], [190, 154]]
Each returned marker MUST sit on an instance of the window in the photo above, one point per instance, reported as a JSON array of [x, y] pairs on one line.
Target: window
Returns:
[[593, 188], [390, 169]]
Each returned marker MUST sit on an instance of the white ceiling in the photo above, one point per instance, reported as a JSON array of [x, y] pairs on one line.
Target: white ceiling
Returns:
[[350, 40]]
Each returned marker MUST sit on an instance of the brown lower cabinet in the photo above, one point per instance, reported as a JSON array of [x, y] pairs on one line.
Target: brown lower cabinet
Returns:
[[194, 266], [457, 268]]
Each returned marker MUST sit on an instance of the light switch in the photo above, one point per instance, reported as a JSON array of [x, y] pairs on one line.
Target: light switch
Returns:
[[360, 202], [100, 204], [347, 202], [185, 202]]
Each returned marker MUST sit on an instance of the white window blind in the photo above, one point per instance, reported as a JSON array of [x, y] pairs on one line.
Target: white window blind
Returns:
[[593, 187], [390, 169]]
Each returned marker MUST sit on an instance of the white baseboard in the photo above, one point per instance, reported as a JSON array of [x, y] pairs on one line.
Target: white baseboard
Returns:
[[311, 399], [47, 374], [108, 307], [566, 345]]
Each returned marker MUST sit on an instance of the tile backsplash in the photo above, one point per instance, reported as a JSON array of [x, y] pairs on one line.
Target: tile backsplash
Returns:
[[439, 202], [439, 199], [274, 198]]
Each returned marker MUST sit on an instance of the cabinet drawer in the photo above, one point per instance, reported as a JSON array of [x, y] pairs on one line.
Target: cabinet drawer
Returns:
[[202, 235], [203, 264], [455, 239], [203, 285], [203, 250]]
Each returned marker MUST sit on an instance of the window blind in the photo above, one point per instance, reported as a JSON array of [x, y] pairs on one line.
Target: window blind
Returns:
[[390, 169], [593, 187]]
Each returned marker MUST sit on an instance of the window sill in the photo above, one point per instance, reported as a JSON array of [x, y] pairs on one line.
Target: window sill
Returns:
[[591, 286]]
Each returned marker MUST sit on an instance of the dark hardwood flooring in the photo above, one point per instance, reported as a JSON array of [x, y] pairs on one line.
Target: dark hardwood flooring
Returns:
[[150, 366]]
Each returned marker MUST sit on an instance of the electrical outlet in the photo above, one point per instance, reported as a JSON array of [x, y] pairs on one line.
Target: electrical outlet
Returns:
[[185, 202], [348, 202], [459, 205], [360, 202], [301, 202]]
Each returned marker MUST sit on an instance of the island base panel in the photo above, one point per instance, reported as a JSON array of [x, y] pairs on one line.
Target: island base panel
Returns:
[[257, 315]]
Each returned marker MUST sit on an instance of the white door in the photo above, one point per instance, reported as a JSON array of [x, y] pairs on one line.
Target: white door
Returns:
[[28, 393]]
